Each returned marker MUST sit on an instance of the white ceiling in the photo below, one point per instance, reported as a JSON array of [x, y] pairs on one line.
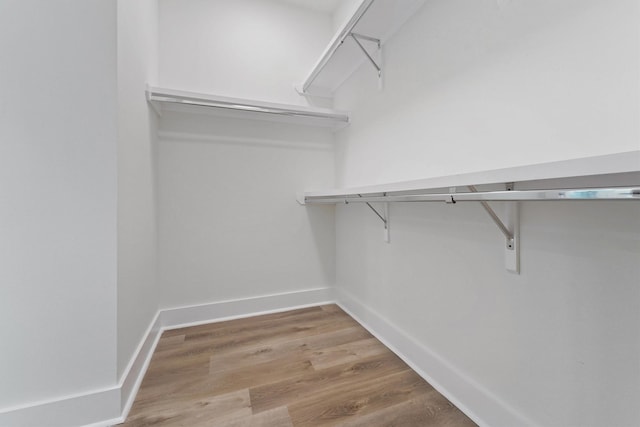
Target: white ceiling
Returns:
[[327, 6]]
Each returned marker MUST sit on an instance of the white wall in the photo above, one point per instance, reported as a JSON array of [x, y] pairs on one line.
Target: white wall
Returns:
[[58, 194], [343, 12], [230, 226], [476, 85], [555, 344], [473, 85], [137, 123], [254, 49]]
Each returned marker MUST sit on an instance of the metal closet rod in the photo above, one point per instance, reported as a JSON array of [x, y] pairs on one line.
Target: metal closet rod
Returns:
[[613, 193], [249, 108], [337, 43]]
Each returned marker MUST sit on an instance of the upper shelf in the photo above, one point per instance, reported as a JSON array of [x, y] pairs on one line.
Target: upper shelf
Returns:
[[375, 19], [177, 100], [593, 167]]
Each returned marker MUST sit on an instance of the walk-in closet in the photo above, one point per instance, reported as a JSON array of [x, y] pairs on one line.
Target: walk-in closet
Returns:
[[287, 213]]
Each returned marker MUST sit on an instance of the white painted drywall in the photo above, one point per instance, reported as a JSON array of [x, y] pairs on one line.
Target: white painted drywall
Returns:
[[137, 123], [253, 49], [58, 195], [343, 13], [326, 6], [230, 226], [477, 85], [556, 344], [474, 85]]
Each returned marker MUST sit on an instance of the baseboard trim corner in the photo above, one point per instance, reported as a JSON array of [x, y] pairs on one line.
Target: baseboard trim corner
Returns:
[[479, 404], [219, 311], [133, 375], [110, 406]]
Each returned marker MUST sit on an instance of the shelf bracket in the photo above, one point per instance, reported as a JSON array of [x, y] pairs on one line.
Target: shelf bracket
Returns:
[[383, 217], [511, 230], [508, 222], [373, 62], [496, 219]]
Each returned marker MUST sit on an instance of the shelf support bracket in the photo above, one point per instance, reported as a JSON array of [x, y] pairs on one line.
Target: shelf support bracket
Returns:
[[383, 217], [512, 255], [496, 219], [356, 38]]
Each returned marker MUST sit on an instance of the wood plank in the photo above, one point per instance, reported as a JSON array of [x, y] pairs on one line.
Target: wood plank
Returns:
[[429, 410], [182, 365], [349, 352], [191, 412], [338, 405], [278, 417], [298, 322], [253, 320], [337, 337], [237, 337], [259, 374], [332, 308], [161, 378], [304, 347], [251, 356], [313, 366], [320, 384], [169, 342], [195, 387]]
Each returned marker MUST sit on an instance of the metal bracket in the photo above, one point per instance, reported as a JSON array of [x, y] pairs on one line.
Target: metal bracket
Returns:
[[496, 219], [384, 218], [511, 231], [375, 64]]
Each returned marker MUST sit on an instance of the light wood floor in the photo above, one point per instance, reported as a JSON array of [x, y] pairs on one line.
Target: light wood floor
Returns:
[[308, 367]]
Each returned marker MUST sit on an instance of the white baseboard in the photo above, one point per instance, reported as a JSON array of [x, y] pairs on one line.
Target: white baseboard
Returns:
[[111, 406], [180, 317], [133, 375], [78, 410], [226, 310], [475, 401]]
